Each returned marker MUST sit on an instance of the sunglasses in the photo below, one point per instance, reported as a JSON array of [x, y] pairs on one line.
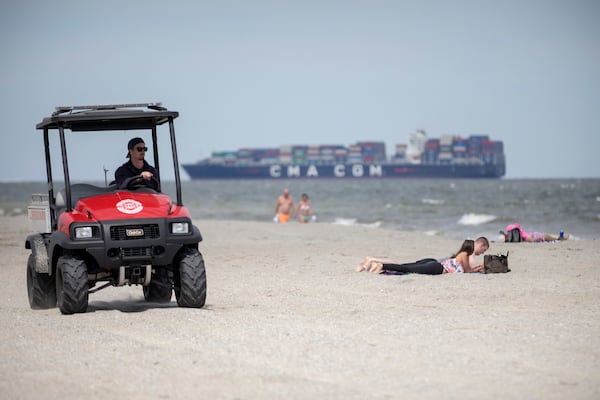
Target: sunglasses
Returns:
[[140, 149]]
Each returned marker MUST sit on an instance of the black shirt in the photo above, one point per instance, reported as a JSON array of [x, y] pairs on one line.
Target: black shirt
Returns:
[[125, 172]]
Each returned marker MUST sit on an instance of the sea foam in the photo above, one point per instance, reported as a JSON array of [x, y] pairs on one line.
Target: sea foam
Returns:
[[476, 219], [432, 201], [354, 222]]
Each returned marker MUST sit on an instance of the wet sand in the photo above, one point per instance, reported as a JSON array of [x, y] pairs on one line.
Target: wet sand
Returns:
[[287, 317]]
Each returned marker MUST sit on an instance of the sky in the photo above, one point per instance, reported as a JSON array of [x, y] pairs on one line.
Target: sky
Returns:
[[268, 73]]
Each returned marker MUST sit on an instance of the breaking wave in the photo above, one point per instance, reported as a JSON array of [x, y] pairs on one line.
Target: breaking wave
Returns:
[[432, 201], [476, 219], [354, 222]]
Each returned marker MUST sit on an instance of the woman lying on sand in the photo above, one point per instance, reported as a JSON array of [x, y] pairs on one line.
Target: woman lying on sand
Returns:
[[533, 236], [458, 263]]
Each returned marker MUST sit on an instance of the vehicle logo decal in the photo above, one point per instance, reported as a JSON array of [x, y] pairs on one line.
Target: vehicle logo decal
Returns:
[[134, 232], [129, 206]]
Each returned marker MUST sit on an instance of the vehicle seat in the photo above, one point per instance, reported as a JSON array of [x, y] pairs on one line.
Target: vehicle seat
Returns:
[[79, 191]]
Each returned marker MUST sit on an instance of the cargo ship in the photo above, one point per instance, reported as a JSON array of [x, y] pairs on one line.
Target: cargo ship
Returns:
[[449, 156]]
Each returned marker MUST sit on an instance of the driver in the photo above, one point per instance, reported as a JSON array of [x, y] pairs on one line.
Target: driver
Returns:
[[137, 171]]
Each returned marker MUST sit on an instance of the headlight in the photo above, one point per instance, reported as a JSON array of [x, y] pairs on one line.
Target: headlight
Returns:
[[180, 227], [83, 232]]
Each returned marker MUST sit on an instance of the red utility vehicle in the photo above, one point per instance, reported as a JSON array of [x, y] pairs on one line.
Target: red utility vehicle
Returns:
[[86, 234]]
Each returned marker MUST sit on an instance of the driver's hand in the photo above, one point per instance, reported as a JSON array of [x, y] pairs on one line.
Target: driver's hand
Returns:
[[147, 175]]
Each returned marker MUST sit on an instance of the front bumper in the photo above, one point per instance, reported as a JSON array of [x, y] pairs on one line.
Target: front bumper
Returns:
[[113, 249]]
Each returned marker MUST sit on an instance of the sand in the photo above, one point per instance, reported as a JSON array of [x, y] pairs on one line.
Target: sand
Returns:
[[287, 317]]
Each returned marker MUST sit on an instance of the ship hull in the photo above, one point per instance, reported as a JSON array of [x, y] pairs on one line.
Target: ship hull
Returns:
[[343, 171]]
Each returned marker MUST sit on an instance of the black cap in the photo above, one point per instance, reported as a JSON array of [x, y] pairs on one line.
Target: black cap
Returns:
[[133, 142]]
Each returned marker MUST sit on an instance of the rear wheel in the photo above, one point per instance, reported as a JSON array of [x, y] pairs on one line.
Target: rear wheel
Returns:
[[41, 288], [72, 288], [190, 280], [160, 289]]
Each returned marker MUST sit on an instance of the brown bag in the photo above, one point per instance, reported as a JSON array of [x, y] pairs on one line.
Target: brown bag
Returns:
[[496, 263]]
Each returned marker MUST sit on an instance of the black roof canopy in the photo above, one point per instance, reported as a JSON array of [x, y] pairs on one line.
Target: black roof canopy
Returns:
[[108, 117]]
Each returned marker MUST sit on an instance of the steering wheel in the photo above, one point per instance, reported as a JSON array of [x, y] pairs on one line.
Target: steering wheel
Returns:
[[134, 182]]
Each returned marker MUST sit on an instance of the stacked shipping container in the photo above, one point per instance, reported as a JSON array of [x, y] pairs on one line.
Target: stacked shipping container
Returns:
[[447, 149]]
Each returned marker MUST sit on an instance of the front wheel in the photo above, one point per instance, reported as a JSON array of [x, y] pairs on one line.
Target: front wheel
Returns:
[[190, 280], [41, 288], [160, 289], [72, 288]]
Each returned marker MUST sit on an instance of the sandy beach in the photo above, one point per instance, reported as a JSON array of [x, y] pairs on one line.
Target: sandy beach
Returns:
[[287, 317]]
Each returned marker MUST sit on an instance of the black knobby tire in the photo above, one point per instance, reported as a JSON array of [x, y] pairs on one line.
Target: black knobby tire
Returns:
[[160, 289], [41, 288], [72, 288], [190, 285]]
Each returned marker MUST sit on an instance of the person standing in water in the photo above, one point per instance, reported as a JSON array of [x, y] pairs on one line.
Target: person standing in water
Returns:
[[304, 210], [284, 207]]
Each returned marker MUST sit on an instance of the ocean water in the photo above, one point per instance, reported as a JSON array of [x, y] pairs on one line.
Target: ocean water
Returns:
[[456, 208]]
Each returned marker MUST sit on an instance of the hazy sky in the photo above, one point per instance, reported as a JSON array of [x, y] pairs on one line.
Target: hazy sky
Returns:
[[267, 73]]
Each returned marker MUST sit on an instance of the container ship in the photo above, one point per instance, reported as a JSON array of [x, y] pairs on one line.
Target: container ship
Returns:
[[449, 156]]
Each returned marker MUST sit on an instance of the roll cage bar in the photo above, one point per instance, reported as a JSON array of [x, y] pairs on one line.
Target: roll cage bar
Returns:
[[109, 117]]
